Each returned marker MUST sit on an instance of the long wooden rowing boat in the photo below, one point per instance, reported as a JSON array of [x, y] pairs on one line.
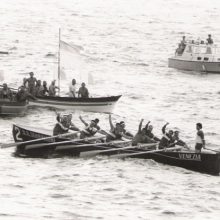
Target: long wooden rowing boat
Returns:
[[12, 108], [98, 104], [207, 161]]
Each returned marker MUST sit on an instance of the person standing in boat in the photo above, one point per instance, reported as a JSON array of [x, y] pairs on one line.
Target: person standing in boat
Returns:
[[52, 88], [72, 89], [31, 81], [167, 138], [209, 39], [5, 92], [90, 129], [200, 138], [83, 91]]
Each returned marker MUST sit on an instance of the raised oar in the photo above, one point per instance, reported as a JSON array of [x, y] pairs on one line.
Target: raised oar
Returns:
[[144, 152], [61, 142], [36, 140], [96, 152]]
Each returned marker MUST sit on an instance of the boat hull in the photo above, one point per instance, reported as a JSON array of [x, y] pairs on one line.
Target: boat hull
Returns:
[[205, 162], [102, 104], [12, 108], [199, 66]]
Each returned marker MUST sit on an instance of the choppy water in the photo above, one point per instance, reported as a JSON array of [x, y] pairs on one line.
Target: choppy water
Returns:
[[128, 43]]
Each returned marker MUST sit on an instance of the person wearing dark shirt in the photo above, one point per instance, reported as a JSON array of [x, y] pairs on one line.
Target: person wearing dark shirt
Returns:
[[45, 89], [167, 138], [23, 95], [149, 132], [83, 91], [209, 39], [5, 92]]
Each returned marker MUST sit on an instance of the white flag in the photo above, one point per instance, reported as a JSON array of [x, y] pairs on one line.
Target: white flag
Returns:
[[73, 62]]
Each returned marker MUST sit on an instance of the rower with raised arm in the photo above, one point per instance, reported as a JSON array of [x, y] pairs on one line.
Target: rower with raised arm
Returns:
[[178, 141], [167, 137], [90, 129], [125, 132], [200, 138], [148, 131]]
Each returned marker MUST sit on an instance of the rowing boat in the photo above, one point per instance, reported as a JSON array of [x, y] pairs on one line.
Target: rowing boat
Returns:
[[12, 108], [92, 104], [206, 161]]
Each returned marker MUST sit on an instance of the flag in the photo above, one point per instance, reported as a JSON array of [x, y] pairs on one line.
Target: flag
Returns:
[[73, 62]]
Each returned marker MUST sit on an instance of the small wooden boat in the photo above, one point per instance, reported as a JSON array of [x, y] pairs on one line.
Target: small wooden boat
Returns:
[[198, 57], [99, 104], [13, 108], [206, 162]]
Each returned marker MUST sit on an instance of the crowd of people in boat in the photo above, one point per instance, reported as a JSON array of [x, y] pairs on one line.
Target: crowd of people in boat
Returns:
[[32, 88], [118, 131], [183, 42]]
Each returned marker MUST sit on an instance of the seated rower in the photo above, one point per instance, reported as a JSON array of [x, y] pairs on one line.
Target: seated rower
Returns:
[[116, 132], [90, 129], [178, 141], [125, 132], [83, 91], [5, 92], [64, 125], [140, 137], [52, 88], [148, 131], [23, 95], [167, 138]]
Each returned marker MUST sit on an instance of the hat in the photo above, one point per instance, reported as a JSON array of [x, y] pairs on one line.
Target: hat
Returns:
[[96, 120]]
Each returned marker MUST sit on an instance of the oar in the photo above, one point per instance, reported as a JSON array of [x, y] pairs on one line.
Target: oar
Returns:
[[36, 140], [144, 152], [61, 142], [91, 145], [212, 150], [96, 152]]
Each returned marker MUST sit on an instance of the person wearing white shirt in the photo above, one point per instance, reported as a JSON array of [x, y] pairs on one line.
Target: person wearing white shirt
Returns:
[[72, 89]]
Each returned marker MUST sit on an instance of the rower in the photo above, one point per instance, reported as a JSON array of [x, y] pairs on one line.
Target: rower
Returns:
[[140, 137], [178, 141], [125, 132], [148, 131], [90, 129], [5, 92], [83, 91], [64, 124], [52, 88], [200, 139], [167, 138], [116, 132], [31, 81]]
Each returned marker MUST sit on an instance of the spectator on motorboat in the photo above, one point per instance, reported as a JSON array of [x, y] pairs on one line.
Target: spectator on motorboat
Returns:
[[72, 89], [5, 92], [45, 89], [140, 136], [167, 138], [148, 131], [83, 91], [125, 132], [210, 40], [31, 81], [23, 95], [53, 88], [25, 83], [179, 50], [90, 128], [39, 89], [64, 124], [200, 138]]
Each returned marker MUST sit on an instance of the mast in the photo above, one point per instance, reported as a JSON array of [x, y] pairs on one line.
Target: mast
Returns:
[[59, 61]]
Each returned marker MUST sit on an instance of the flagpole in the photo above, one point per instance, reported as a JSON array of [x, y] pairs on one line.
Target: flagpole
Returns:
[[59, 61]]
